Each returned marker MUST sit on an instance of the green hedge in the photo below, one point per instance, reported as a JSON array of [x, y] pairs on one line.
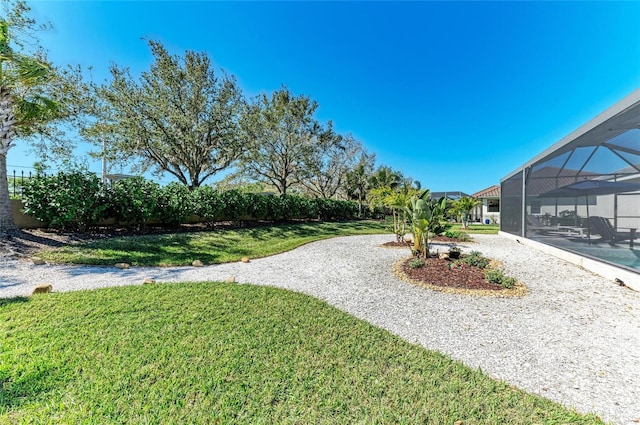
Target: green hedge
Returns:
[[77, 200]]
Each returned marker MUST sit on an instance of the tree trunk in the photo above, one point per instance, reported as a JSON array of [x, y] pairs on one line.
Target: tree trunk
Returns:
[[6, 217], [7, 122]]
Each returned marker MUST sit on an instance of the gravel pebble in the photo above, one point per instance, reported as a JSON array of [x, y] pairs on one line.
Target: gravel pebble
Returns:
[[574, 338]]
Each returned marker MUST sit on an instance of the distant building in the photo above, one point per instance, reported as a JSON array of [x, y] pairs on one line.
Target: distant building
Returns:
[[112, 178], [489, 209], [452, 195]]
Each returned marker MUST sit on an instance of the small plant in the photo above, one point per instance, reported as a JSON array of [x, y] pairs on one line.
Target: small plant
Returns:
[[498, 277], [475, 258], [416, 263], [456, 265], [454, 253], [456, 234]]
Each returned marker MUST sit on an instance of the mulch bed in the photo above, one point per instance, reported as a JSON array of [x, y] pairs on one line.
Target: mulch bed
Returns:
[[468, 280], [443, 275], [436, 271]]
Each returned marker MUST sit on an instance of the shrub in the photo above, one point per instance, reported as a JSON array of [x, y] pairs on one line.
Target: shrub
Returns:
[[207, 204], [296, 207], [440, 227], [234, 205], [456, 265], [337, 210], [134, 201], [68, 200], [174, 204], [475, 258], [261, 206], [498, 277]]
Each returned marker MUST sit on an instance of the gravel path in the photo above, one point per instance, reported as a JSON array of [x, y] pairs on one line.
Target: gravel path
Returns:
[[574, 338]]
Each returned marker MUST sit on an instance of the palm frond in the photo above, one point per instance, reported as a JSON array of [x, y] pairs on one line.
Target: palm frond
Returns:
[[36, 108]]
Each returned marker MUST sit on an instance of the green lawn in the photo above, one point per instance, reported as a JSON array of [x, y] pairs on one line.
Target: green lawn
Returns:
[[207, 353], [486, 229], [214, 247]]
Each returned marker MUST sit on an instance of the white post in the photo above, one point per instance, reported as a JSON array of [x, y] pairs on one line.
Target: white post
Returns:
[[104, 162]]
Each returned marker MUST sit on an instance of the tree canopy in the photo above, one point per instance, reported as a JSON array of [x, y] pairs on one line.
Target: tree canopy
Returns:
[[283, 139], [180, 117], [327, 170]]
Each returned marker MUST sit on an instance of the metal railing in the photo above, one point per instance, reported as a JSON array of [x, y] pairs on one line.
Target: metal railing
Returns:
[[16, 182]]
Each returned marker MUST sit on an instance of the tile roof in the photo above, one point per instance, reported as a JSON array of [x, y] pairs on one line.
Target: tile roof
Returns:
[[490, 192]]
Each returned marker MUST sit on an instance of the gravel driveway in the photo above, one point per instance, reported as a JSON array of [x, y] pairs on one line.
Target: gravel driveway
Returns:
[[574, 338]]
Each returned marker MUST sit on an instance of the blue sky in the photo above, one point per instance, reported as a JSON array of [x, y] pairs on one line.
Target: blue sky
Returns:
[[454, 94]]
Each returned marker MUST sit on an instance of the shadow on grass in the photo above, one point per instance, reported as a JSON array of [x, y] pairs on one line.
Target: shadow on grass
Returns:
[[8, 301], [181, 249], [25, 388]]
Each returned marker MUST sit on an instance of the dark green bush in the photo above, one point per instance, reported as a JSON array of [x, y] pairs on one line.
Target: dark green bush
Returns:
[[441, 227], [264, 206], [78, 200], [234, 205], [329, 209], [207, 205], [134, 201], [68, 200], [175, 204], [294, 207]]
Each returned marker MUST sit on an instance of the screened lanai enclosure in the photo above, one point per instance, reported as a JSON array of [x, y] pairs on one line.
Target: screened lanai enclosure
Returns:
[[583, 194]]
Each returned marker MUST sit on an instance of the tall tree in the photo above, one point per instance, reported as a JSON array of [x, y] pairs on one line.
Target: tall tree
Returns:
[[357, 183], [384, 176], [282, 137], [328, 168], [24, 82], [179, 117]]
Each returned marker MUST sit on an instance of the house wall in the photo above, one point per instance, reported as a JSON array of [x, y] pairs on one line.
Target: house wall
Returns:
[[494, 217], [481, 212]]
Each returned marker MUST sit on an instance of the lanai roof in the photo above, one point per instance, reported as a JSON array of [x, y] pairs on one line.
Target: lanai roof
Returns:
[[608, 145]]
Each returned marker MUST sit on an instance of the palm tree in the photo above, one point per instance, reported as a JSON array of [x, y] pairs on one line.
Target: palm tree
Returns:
[[398, 201], [464, 206], [385, 177], [22, 102], [357, 179], [358, 184]]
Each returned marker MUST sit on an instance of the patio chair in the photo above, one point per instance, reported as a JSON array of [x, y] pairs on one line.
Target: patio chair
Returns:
[[603, 227], [534, 223]]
